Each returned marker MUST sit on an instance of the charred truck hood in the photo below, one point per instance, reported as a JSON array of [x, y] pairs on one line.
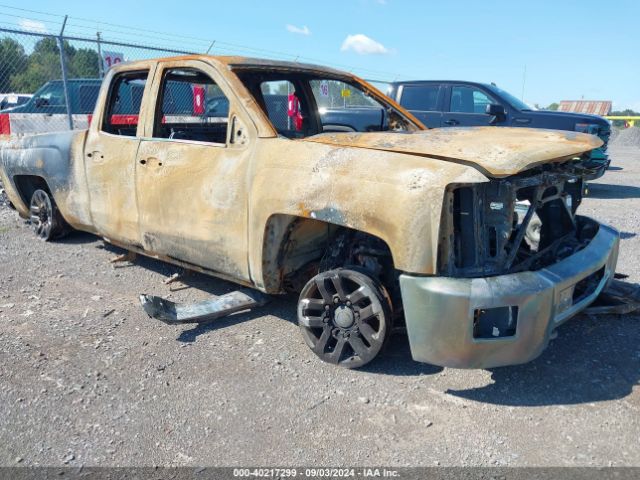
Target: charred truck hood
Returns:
[[514, 261], [523, 218], [496, 152]]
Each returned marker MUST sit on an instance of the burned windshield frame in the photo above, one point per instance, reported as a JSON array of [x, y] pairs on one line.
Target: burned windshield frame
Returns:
[[252, 78]]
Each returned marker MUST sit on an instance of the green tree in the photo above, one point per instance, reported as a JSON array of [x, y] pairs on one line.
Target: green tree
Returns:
[[43, 65], [13, 61], [84, 64], [626, 113], [553, 106], [623, 113]]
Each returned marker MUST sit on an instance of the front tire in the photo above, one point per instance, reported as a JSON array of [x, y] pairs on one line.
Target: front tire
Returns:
[[46, 220], [345, 317]]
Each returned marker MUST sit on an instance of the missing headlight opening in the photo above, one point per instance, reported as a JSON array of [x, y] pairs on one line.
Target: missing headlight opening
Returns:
[[536, 225]]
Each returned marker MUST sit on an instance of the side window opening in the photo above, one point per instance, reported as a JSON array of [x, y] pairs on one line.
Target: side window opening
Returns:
[[304, 104], [51, 96], [123, 104], [480, 101], [284, 107], [420, 97], [469, 100], [344, 108], [191, 106]]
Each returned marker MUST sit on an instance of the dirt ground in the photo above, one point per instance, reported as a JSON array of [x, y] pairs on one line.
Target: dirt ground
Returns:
[[87, 379]]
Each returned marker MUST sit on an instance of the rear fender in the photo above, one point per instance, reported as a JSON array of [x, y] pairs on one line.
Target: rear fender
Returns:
[[55, 158]]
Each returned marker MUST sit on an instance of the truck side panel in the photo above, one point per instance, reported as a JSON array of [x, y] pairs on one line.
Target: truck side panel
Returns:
[[57, 158], [341, 186]]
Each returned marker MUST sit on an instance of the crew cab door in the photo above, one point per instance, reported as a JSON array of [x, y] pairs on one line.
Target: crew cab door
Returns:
[[110, 155], [191, 171], [424, 101], [466, 106]]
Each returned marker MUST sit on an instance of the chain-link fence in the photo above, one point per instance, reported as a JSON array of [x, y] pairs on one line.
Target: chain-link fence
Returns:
[[51, 68], [50, 82]]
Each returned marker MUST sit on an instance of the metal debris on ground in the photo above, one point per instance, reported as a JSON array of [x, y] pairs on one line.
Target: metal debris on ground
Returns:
[[125, 257], [619, 298], [176, 277], [175, 313]]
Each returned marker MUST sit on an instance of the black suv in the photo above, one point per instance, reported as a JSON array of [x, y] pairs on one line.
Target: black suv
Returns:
[[448, 103]]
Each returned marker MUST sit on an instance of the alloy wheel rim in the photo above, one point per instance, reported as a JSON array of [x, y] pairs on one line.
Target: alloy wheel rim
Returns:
[[342, 318], [41, 215]]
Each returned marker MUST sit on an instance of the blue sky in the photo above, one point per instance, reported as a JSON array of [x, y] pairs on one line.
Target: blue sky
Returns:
[[571, 49]]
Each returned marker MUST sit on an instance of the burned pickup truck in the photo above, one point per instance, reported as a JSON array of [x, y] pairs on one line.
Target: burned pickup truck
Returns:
[[372, 229]]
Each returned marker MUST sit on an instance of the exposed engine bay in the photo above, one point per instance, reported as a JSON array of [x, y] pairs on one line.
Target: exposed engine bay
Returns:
[[523, 222]]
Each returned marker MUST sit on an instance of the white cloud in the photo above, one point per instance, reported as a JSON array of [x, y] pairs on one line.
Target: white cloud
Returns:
[[32, 25], [363, 45], [300, 31]]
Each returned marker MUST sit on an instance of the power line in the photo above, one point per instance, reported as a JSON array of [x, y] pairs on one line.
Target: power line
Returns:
[[200, 44], [32, 19], [99, 23], [32, 11]]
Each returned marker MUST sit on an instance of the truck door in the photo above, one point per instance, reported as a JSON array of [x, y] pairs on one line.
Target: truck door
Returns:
[[425, 101], [110, 156], [467, 107], [191, 173]]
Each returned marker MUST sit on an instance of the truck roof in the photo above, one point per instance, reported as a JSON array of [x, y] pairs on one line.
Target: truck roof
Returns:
[[420, 82], [250, 62], [77, 80]]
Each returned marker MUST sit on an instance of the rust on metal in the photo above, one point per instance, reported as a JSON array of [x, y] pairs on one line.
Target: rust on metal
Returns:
[[265, 210], [205, 311]]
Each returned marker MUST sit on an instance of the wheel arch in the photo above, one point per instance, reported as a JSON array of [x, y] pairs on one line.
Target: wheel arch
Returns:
[[26, 185], [293, 246]]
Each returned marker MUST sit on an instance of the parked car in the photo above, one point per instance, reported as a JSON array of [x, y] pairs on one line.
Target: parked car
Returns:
[[46, 110], [448, 103], [334, 119], [50, 98], [354, 119], [369, 228], [9, 100]]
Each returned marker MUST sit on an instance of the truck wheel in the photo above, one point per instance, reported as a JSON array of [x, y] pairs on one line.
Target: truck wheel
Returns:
[[345, 317], [45, 217]]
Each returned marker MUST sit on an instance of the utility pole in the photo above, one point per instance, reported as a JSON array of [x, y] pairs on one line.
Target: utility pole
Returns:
[[63, 66], [100, 61]]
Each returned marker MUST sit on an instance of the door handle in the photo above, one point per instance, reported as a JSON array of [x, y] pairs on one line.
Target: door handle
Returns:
[[452, 122], [151, 161]]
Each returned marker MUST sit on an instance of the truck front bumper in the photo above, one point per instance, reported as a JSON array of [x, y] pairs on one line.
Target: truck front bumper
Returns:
[[448, 318]]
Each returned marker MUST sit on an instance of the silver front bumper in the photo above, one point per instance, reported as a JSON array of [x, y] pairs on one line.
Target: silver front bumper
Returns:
[[440, 311]]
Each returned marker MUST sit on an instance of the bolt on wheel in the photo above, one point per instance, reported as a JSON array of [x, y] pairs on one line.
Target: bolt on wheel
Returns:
[[345, 317]]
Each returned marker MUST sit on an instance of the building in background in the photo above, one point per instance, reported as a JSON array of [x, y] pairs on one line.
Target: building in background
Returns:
[[594, 107]]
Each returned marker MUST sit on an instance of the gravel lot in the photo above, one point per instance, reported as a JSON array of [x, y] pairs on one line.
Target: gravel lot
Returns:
[[87, 379]]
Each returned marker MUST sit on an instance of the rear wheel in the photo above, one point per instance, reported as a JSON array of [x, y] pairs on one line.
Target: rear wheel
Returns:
[[345, 317], [46, 220]]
